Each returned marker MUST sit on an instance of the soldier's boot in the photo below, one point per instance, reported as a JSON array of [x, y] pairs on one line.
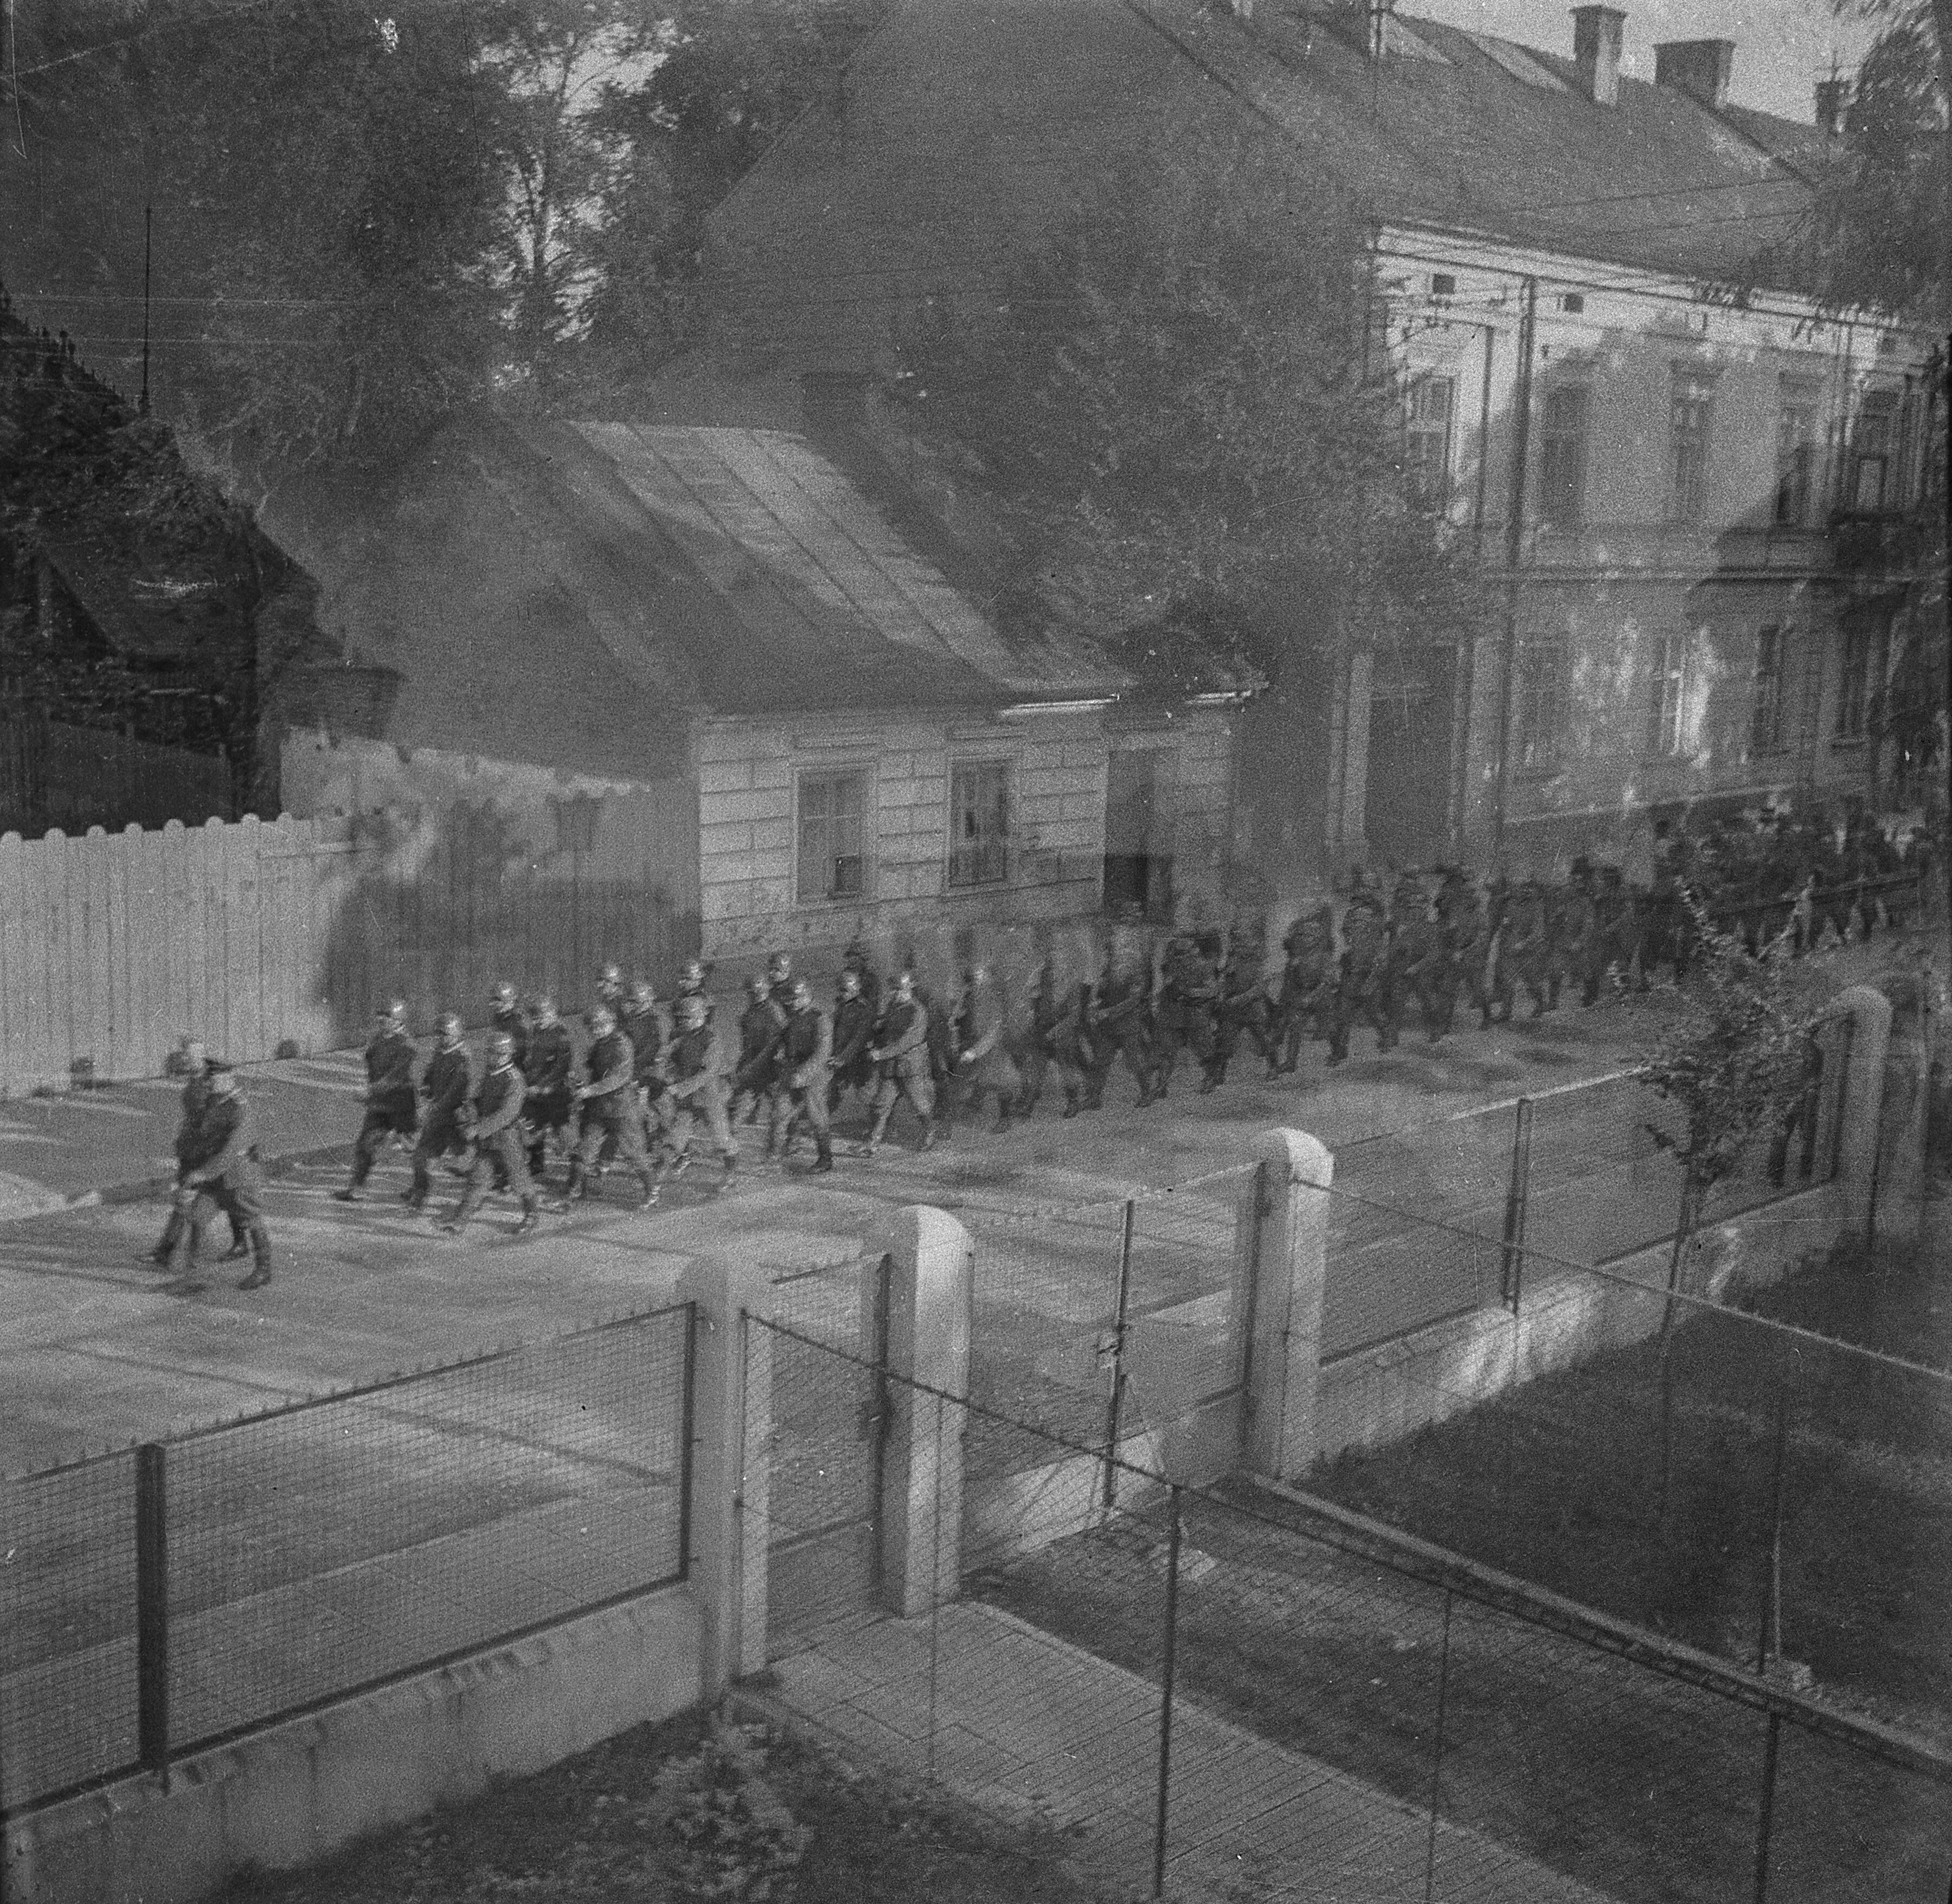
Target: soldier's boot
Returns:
[[823, 1160], [415, 1196], [929, 1132], [1073, 1104], [876, 1131], [530, 1219], [727, 1175], [648, 1191], [260, 1265], [1003, 1122], [240, 1245], [579, 1185], [164, 1254], [1552, 985]]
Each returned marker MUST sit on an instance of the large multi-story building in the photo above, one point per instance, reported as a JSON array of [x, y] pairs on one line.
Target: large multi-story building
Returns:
[[1684, 480]]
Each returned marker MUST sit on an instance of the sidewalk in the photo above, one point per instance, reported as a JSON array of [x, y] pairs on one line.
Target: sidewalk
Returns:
[[1025, 1724]]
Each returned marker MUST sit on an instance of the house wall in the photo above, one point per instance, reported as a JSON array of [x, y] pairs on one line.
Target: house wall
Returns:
[[750, 776], [1611, 589]]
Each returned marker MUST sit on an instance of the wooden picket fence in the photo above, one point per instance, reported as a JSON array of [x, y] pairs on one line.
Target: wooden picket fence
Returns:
[[264, 938]]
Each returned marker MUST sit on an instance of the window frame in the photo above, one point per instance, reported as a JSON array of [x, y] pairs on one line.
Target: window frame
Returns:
[[1667, 714], [1795, 457], [1418, 430], [835, 775], [1851, 719], [1539, 732], [1000, 766], [1766, 725], [1690, 433], [1885, 408], [1562, 457]]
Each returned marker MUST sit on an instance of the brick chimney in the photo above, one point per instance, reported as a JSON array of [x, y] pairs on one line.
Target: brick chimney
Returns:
[[1698, 67], [1833, 94], [1597, 35]]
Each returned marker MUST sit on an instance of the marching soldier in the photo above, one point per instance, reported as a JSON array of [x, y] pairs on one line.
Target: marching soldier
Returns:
[[941, 1042], [1615, 939], [779, 982], [1528, 949], [1362, 991], [859, 960], [695, 1081], [506, 1021], [1307, 982], [1189, 993], [193, 1102], [497, 1139], [609, 1098], [644, 1025], [1243, 1008], [901, 1056], [985, 1065], [445, 1121], [760, 1026], [550, 1098], [222, 1173], [392, 1103], [799, 1094], [1571, 914], [1478, 965], [691, 984], [1419, 961], [853, 1032], [610, 990], [1057, 1042], [1116, 1024]]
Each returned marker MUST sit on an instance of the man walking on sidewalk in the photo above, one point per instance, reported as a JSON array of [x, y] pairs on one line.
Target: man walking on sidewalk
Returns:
[[194, 1103], [444, 1126], [222, 1173], [497, 1139], [392, 1107]]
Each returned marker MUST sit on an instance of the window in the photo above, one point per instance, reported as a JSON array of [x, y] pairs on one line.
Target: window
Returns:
[[832, 835], [1443, 284], [979, 824], [1795, 460], [1690, 418], [1562, 458], [1872, 443], [1574, 301], [1666, 726], [1766, 716], [1853, 682], [1541, 702], [1427, 439]]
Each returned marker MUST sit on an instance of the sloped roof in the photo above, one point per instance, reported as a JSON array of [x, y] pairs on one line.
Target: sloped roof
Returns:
[[970, 127], [569, 594]]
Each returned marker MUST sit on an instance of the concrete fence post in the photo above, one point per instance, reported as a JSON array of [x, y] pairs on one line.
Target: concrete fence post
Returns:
[[1862, 1108], [1281, 1263], [731, 1467], [931, 1293]]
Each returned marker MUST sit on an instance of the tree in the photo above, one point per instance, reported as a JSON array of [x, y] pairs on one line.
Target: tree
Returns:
[[1181, 413], [1735, 1061]]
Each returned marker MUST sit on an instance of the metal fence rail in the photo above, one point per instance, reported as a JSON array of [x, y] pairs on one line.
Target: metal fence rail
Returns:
[[1239, 1693], [161, 1599]]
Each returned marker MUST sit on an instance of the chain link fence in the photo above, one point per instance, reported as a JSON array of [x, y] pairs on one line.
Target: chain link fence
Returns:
[[1242, 1692], [159, 1600]]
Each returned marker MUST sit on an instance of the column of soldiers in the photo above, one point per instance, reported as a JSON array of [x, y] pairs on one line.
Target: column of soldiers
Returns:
[[653, 1083]]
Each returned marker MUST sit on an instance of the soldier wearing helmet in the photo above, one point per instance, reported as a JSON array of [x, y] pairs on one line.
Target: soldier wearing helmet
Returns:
[[498, 1138], [507, 1020], [610, 1115], [694, 1074], [392, 1107], [547, 1066], [444, 1123]]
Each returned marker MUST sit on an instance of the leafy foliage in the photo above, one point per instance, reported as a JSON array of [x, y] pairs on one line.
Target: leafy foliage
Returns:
[[733, 1839], [1179, 402], [1737, 1056]]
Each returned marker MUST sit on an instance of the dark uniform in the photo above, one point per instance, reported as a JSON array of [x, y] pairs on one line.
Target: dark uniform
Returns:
[[1183, 1018], [695, 1080], [548, 1103], [1116, 1025], [648, 1031], [799, 1089], [444, 1125], [987, 1066], [1528, 949], [903, 1069], [1057, 1043], [860, 960], [1307, 983], [1419, 963], [392, 1103], [192, 1103], [760, 1026], [1615, 934], [1363, 990], [498, 1145], [223, 1171], [610, 1118], [511, 1022], [1244, 1009], [853, 1032]]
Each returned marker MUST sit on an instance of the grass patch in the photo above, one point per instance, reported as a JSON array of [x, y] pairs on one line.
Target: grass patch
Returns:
[[1560, 1481], [660, 1816]]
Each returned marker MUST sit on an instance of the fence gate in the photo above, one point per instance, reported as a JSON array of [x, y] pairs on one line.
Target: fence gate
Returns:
[[828, 1440]]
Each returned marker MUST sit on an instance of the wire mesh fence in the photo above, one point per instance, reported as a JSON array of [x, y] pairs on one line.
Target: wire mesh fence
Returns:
[[1228, 1692], [187, 1592]]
